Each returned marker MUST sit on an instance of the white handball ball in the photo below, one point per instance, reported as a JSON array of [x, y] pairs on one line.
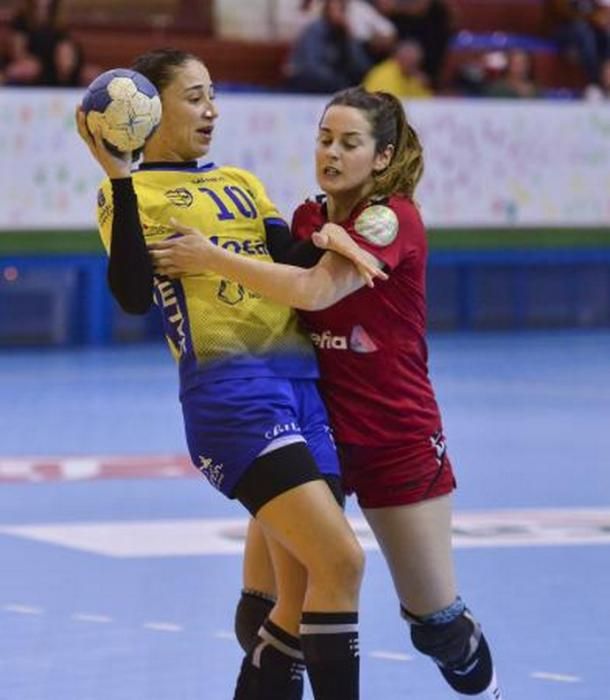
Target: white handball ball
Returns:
[[127, 107]]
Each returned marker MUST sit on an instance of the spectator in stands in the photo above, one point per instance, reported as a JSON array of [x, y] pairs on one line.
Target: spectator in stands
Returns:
[[366, 24], [583, 27], [401, 74], [34, 34], [517, 78], [326, 56], [473, 77], [600, 90], [69, 64], [429, 22]]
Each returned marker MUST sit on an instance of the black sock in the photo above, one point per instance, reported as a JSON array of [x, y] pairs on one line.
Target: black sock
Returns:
[[273, 670], [330, 648], [252, 610], [475, 675]]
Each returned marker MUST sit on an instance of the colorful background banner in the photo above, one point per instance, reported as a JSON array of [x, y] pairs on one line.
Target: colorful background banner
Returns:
[[488, 163]]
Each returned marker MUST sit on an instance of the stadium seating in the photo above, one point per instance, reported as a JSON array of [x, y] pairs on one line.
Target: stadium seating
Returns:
[[112, 32]]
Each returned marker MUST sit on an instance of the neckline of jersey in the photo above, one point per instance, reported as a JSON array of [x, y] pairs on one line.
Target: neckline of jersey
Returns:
[[186, 166]]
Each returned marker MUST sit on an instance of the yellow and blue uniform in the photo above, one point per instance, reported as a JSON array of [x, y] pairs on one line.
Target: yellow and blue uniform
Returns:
[[215, 328], [247, 370]]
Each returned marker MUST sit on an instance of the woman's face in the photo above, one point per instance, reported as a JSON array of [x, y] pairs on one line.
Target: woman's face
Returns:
[[345, 152], [189, 112]]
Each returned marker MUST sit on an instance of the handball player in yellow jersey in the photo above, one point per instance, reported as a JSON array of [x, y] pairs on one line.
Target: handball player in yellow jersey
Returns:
[[255, 425]]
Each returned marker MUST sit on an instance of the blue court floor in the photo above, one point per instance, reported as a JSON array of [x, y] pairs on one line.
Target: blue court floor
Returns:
[[124, 588]]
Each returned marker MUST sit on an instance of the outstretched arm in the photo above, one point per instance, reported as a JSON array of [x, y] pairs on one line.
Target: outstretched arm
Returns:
[[319, 287]]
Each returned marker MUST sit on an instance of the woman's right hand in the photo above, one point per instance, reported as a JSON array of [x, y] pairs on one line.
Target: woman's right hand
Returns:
[[114, 166], [190, 253]]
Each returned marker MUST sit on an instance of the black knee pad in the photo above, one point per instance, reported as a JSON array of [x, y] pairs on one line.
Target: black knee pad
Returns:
[[252, 610], [449, 644]]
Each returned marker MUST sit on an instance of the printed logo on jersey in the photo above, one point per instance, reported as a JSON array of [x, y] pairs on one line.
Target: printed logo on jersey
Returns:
[[359, 341], [105, 208], [327, 341], [282, 429], [249, 246], [180, 197], [378, 225], [213, 472], [230, 292], [439, 445], [168, 299]]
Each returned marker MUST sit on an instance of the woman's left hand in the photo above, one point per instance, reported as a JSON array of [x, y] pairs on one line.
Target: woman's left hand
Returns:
[[334, 237], [186, 254]]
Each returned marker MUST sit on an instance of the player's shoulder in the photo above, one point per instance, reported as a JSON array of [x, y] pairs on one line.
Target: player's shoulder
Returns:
[[246, 177], [381, 221], [104, 194], [311, 207], [403, 207], [309, 215]]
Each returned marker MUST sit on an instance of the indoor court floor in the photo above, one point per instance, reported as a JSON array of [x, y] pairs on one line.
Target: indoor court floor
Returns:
[[120, 566]]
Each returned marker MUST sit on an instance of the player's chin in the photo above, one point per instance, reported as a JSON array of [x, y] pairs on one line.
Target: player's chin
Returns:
[[331, 185]]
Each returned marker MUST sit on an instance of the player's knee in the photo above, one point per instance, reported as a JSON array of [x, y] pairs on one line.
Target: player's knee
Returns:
[[450, 642], [252, 610], [340, 568]]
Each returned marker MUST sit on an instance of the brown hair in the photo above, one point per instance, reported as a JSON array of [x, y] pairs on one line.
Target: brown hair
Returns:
[[160, 65], [389, 126]]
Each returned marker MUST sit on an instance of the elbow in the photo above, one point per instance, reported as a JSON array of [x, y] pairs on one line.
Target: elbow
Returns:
[[313, 294], [314, 302], [133, 302], [135, 307]]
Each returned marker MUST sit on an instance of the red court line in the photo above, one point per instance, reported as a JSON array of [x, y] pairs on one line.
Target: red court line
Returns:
[[87, 467]]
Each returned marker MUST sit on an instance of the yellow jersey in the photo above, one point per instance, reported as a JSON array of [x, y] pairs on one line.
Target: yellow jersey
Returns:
[[215, 328]]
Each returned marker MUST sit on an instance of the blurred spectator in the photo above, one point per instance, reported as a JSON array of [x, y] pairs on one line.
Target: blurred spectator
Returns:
[[429, 22], [583, 27], [473, 78], [516, 79], [34, 35], [366, 24], [70, 69], [326, 56], [400, 74], [599, 91]]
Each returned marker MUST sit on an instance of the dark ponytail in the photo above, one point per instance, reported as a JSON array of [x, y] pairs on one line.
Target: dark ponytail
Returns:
[[389, 126]]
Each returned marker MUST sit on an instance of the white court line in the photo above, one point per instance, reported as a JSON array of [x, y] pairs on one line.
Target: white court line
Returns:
[[86, 617], [225, 634], [23, 609], [162, 627], [558, 677], [391, 656], [196, 537]]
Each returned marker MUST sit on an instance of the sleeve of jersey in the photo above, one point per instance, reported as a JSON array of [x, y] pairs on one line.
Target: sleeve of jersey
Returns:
[[306, 220], [390, 233], [130, 271], [283, 248]]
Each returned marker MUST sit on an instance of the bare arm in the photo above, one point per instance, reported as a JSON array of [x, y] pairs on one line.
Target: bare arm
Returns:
[[319, 287]]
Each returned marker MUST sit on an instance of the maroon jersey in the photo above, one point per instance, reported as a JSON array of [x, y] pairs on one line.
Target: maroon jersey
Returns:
[[371, 345]]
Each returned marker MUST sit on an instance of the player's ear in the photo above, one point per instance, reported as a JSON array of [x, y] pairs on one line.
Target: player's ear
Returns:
[[383, 159]]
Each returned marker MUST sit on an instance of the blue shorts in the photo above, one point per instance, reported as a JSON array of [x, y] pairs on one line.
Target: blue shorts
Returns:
[[230, 423]]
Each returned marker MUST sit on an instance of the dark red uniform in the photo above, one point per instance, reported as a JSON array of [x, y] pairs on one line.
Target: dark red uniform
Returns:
[[373, 359]]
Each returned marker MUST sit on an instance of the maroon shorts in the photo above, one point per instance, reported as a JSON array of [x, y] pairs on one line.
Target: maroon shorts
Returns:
[[397, 475]]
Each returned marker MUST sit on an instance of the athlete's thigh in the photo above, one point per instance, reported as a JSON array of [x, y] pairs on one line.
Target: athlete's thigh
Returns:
[[416, 542], [257, 567], [310, 524]]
